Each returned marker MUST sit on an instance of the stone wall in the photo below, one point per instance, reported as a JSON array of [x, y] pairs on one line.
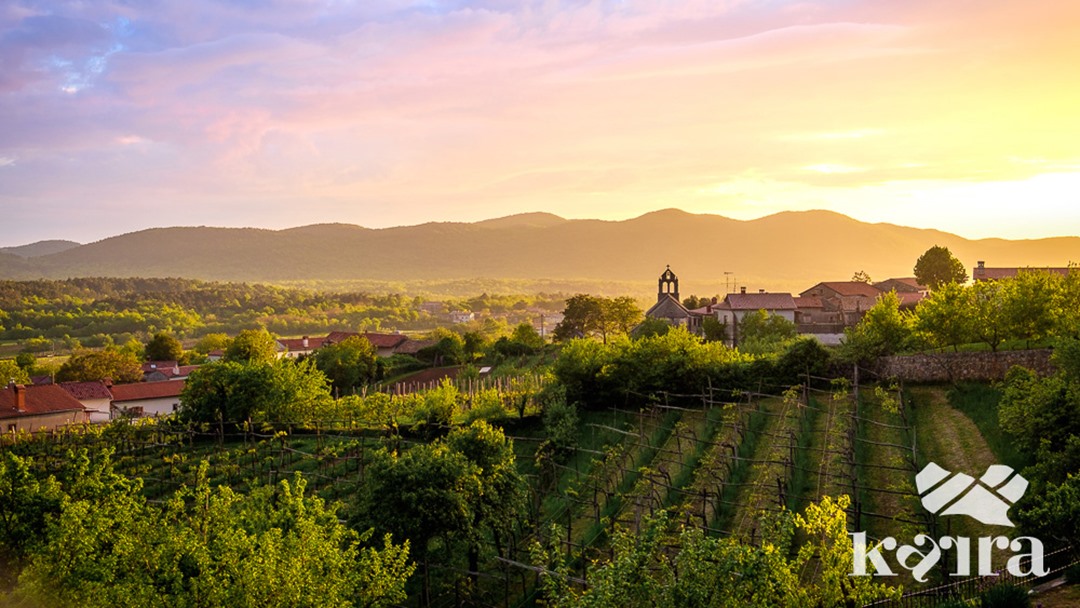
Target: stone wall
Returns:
[[954, 367]]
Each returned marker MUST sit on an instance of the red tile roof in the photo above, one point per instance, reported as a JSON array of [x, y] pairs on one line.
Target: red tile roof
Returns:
[[849, 288], [185, 370], [385, 340], [910, 299], [87, 390], [147, 390], [38, 400], [994, 274], [297, 344], [411, 347], [911, 282], [759, 301], [151, 366], [808, 302]]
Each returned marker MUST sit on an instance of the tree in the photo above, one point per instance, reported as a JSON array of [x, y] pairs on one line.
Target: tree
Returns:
[[861, 276], [502, 490], [110, 364], [937, 266], [212, 342], [284, 392], [163, 347], [11, 372], [597, 316], [426, 492], [761, 332], [654, 327], [986, 312], [1030, 304], [252, 345], [944, 317], [883, 330], [348, 364]]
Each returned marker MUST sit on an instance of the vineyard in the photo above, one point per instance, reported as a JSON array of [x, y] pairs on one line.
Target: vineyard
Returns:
[[714, 461]]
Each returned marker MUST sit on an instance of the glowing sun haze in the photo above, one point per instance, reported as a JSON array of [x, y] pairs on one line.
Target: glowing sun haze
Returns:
[[117, 116]]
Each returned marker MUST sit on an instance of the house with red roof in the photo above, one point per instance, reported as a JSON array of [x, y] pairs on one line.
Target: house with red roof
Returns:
[[146, 399], [982, 272], [385, 344], [35, 408], [95, 398], [847, 300], [735, 306]]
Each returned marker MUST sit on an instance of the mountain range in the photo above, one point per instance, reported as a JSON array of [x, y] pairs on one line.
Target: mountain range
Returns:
[[710, 253]]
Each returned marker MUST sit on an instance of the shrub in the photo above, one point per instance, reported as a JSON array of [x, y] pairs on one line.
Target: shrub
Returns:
[[1005, 596]]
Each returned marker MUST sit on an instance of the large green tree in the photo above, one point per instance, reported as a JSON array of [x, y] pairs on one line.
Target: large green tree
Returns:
[[763, 332], [120, 367], [252, 345], [596, 316], [285, 392], [163, 347], [937, 266], [349, 364], [883, 330], [944, 317]]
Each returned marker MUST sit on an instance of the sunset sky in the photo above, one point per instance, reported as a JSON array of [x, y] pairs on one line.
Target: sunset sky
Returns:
[[117, 116]]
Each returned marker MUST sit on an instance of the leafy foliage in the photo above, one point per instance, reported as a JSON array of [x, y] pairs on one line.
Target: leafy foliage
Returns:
[[597, 316], [252, 346], [761, 332], [938, 266], [163, 347], [277, 392], [349, 364], [710, 572], [113, 364], [107, 546]]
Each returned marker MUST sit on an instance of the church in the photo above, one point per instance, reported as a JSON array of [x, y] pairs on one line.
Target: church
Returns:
[[669, 307]]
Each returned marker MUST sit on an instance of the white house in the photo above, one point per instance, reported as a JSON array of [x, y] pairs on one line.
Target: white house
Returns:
[[146, 399], [94, 396]]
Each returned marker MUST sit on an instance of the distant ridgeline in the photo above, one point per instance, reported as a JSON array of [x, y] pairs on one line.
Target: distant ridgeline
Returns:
[[778, 252]]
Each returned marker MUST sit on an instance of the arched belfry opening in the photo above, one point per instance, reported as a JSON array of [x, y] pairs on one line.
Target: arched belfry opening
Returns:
[[668, 285]]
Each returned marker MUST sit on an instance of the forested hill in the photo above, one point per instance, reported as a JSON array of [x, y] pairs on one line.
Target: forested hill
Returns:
[[790, 250]]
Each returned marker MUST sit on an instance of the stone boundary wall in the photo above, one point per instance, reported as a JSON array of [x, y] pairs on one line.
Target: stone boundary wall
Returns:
[[955, 367]]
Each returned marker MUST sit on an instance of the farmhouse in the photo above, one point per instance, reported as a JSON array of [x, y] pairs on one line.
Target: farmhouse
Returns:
[[33, 408], [385, 344], [736, 306], [95, 397], [983, 273], [146, 399]]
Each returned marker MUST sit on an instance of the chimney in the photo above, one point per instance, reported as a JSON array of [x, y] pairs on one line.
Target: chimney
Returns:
[[305, 342], [761, 291], [981, 264], [714, 299], [20, 396], [742, 290]]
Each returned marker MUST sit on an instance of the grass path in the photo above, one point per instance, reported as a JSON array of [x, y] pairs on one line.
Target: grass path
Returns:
[[946, 435]]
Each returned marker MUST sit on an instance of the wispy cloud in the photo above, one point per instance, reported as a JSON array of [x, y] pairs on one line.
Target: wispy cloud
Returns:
[[397, 111]]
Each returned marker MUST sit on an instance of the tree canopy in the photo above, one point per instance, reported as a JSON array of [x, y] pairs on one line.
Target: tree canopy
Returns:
[[112, 364], [163, 347], [276, 392], [597, 316], [349, 364], [937, 266]]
